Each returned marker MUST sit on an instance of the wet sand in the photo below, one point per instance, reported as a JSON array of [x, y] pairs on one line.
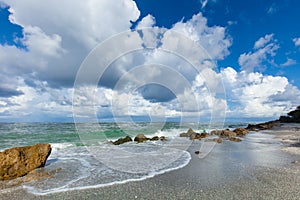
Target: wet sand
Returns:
[[289, 135], [259, 167]]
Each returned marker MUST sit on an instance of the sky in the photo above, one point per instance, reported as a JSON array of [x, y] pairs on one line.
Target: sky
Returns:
[[192, 60]]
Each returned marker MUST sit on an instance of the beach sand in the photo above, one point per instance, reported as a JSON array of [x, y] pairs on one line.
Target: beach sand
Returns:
[[242, 172]]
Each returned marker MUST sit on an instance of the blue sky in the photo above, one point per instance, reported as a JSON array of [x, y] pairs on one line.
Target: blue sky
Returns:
[[252, 55]]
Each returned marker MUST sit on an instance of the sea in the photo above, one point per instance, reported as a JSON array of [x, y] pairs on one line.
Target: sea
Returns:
[[85, 157]]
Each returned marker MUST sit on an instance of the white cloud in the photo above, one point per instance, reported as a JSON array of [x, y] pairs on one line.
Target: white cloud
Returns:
[[261, 42], [148, 21], [264, 50], [59, 34], [257, 95], [296, 41], [213, 39], [289, 62], [204, 3]]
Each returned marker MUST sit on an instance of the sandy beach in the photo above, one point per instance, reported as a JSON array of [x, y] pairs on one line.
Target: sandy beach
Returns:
[[251, 169]]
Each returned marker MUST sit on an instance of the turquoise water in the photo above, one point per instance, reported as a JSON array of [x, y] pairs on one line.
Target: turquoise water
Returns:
[[22, 134], [87, 159]]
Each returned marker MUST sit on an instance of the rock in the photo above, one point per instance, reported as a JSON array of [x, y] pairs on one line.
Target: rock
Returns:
[[240, 131], [197, 136], [140, 138], [163, 138], [193, 135], [19, 161], [197, 152], [219, 140], [203, 135], [234, 139], [216, 132], [263, 126], [122, 140], [227, 133], [183, 135], [155, 138], [189, 133]]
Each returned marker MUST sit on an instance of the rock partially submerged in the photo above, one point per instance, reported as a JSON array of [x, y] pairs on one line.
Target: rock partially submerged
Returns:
[[230, 135], [241, 132], [235, 139], [140, 138], [122, 140], [19, 161], [193, 135]]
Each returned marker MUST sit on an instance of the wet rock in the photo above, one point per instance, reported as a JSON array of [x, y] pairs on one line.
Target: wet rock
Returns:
[[219, 140], [193, 135], [227, 133], [155, 138], [19, 161], [263, 126], [216, 132], [163, 138], [122, 140], [189, 133], [140, 138], [235, 139], [240, 131]]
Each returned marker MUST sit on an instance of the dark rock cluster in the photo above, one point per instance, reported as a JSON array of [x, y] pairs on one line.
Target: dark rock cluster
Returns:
[[138, 138], [193, 135]]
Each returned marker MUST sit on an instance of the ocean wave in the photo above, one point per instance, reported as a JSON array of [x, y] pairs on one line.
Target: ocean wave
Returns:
[[82, 169]]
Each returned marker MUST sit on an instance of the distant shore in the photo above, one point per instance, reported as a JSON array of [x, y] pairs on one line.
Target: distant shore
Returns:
[[226, 173]]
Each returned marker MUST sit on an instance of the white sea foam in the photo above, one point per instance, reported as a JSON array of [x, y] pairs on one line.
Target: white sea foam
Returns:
[[60, 146], [82, 169]]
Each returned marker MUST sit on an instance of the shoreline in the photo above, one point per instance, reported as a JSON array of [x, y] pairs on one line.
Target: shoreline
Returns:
[[227, 178], [289, 135]]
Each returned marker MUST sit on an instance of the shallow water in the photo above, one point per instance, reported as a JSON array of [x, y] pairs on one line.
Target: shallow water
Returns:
[[97, 164]]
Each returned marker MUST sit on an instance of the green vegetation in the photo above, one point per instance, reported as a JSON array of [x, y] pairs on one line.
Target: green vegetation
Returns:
[[293, 116]]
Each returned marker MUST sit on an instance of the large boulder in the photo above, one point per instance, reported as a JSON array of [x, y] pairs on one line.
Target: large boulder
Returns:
[[122, 140], [19, 161], [189, 133], [140, 138]]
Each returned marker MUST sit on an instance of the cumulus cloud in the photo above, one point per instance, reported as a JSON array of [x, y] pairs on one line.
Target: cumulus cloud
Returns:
[[61, 42], [264, 50], [296, 41], [255, 94], [164, 72]]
